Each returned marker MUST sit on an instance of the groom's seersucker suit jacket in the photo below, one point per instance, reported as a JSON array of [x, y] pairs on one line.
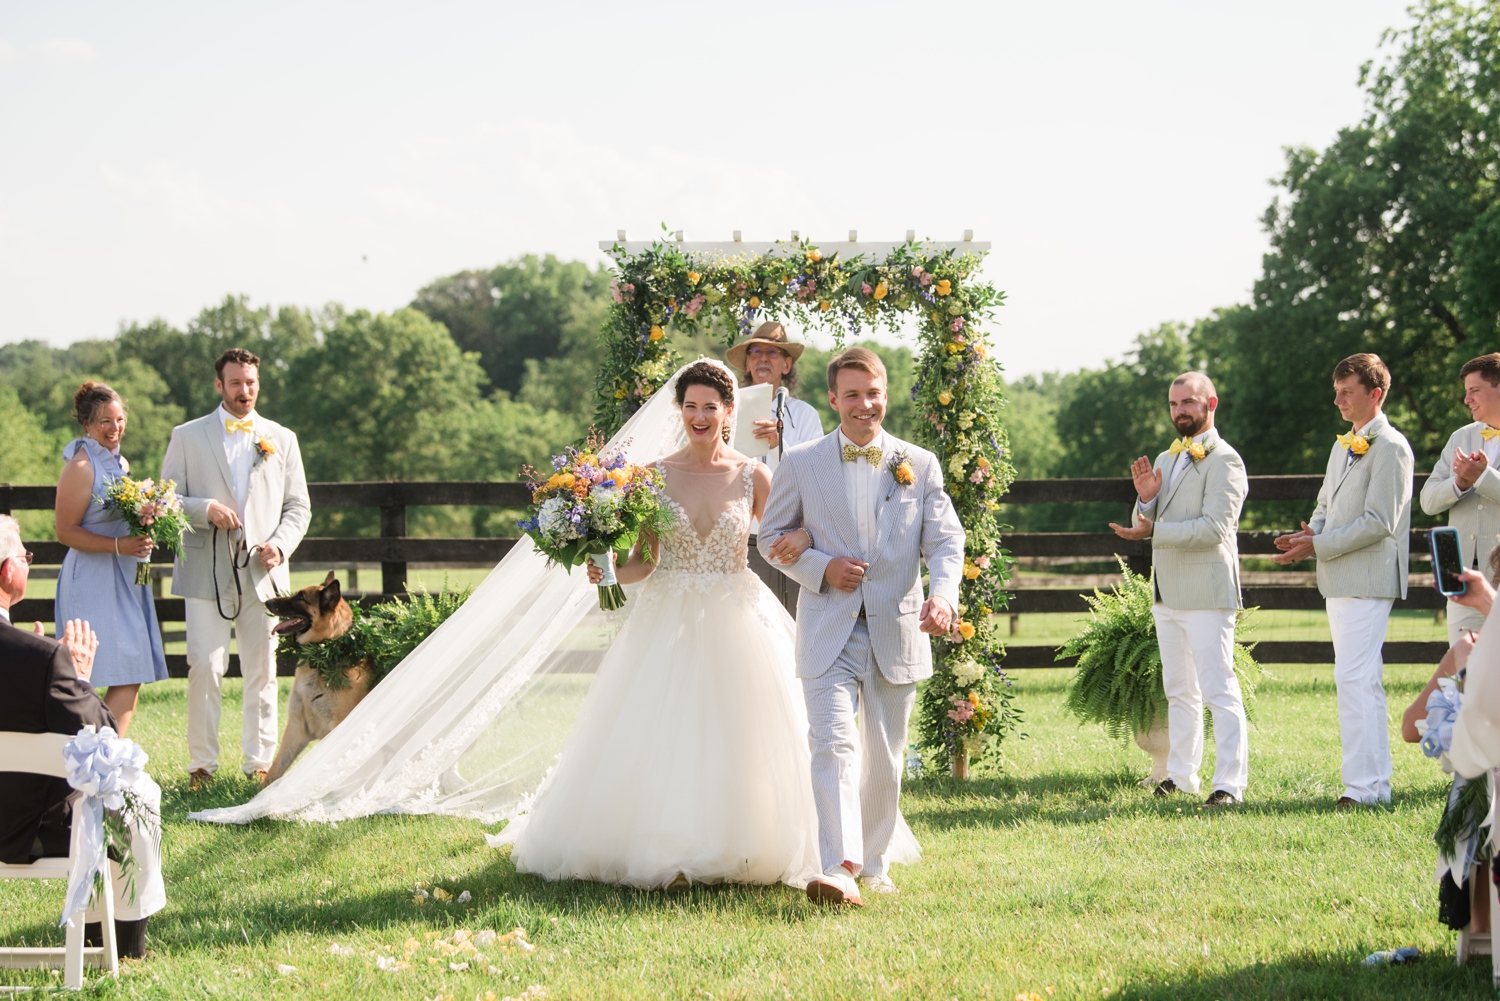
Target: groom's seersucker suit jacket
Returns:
[[917, 522], [277, 510]]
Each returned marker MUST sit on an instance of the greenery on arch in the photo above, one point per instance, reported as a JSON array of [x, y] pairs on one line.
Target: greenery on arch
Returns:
[[967, 706]]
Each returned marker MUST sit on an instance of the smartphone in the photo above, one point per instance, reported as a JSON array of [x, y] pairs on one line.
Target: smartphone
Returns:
[[1447, 562]]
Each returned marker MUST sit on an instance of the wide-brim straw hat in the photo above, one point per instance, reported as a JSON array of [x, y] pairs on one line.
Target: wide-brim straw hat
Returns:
[[767, 333]]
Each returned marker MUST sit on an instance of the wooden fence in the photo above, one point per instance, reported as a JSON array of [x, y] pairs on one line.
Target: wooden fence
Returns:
[[394, 551]]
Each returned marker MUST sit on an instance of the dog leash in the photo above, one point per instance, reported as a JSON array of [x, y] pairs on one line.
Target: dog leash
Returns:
[[236, 566]]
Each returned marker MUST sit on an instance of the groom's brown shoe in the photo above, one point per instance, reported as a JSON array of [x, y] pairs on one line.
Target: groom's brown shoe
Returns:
[[834, 888]]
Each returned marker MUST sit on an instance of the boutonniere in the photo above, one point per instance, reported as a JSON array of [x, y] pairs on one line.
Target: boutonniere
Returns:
[[899, 465], [1195, 449], [264, 447], [1356, 444]]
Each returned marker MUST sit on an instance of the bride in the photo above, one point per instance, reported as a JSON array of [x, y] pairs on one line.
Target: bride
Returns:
[[688, 762]]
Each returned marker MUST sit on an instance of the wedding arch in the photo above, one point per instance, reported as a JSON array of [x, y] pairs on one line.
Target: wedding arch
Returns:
[[669, 285]]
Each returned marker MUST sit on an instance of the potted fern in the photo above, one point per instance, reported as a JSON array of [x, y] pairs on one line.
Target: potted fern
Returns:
[[1118, 682]]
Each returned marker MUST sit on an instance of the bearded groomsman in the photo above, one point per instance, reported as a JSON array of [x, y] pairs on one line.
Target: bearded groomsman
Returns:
[[1189, 508], [1360, 533], [1465, 483], [241, 482]]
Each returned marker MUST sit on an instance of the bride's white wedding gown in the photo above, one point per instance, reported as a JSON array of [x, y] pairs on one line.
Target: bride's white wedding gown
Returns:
[[689, 754]]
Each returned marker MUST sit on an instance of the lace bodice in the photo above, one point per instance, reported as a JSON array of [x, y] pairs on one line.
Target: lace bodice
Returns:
[[693, 561]]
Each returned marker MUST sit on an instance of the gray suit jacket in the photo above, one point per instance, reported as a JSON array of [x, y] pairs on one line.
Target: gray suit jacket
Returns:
[[918, 522], [1362, 524], [276, 510], [1477, 515], [1195, 548]]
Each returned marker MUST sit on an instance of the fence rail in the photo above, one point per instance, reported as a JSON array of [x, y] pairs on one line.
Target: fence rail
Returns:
[[394, 550]]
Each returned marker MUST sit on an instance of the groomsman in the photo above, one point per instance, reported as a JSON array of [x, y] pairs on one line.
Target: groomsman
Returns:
[[1360, 533], [1465, 483], [1189, 508]]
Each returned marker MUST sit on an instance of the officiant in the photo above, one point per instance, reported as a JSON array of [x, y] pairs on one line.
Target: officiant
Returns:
[[769, 357]]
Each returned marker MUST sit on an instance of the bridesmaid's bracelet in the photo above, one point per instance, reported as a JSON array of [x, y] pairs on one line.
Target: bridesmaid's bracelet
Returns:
[[117, 545]]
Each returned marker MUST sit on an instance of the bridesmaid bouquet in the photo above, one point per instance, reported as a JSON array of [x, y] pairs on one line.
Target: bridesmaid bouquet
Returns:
[[591, 506], [151, 509]]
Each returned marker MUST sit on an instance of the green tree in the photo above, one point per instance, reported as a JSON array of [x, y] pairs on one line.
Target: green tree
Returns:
[[532, 308], [1386, 241], [185, 359], [1031, 406]]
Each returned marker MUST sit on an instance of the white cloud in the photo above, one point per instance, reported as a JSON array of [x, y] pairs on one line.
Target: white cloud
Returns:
[[181, 198], [51, 50]]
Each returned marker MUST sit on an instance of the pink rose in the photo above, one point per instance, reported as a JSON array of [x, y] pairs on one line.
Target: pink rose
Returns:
[[977, 476], [866, 289], [957, 324], [982, 562], [614, 290], [926, 278]]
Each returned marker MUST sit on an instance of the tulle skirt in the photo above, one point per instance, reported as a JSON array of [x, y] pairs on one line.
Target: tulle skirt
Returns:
[[689, 754]]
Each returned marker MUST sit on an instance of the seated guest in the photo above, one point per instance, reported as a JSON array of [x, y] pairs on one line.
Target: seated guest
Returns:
[[1457, 657], [1476, 731], [44, 688]]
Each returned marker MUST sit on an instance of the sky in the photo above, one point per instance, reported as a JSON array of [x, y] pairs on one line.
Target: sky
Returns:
[[155, 157]]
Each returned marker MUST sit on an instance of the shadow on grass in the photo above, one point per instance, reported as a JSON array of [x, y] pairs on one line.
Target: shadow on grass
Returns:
[[1322, 976], [1076, 798]]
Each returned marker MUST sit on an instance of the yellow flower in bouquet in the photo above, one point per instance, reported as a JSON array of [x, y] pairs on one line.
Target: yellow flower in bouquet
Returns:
[[755, 302], [880, 290], [943, 287], [657, 333]]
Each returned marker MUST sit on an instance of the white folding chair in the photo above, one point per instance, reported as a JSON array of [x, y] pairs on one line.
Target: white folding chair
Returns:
[[42, 754], [1481, 943]]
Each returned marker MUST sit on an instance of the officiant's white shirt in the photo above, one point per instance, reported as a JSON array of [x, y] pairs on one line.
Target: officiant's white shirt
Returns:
[[239, 448], [861, 482]]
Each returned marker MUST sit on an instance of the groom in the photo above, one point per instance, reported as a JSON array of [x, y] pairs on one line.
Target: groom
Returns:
[[860, 652]]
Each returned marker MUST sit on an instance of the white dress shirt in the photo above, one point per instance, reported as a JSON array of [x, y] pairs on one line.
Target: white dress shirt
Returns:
[[239, 449], [1491, 448], [1183, 461], [861, 484], [5, 614]]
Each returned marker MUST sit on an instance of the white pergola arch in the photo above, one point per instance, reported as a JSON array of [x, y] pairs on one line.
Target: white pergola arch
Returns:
[[872, 251]]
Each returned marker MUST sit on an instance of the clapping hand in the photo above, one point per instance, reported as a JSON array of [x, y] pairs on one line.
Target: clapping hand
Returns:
[[1295, 546], [1468, 467], [1140, 531], [1147, 480], [82, 643]]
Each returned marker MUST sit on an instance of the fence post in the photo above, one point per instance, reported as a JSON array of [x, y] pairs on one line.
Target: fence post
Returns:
[[393, 526]]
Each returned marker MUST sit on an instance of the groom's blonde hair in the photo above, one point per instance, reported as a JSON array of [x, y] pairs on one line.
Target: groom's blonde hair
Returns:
[[861, 358]]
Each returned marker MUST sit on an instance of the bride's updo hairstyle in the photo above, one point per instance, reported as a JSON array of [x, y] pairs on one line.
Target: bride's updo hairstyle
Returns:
[[715, 377]]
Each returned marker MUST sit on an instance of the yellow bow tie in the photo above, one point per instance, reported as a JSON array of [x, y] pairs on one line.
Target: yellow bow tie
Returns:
[[1178, 447], [1488, 433], [870, 452], [246, 425]]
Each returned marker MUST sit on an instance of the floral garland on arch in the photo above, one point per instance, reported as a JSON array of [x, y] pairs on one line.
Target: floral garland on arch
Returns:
[[966, 708]]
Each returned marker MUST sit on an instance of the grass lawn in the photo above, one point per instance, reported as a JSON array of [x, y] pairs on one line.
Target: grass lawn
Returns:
[[1054, 874]]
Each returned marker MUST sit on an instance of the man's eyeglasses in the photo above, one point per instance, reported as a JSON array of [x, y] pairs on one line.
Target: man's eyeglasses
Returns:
[[759, 352], [26, 557]]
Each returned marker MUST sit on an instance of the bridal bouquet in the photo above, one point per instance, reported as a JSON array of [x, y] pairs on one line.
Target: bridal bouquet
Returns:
[[151, 509], [593, 505]]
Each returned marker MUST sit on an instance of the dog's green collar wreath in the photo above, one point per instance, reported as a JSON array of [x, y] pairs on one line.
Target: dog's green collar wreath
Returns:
[[381, 636]]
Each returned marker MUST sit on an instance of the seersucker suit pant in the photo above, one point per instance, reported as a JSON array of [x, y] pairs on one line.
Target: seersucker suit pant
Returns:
[[856, 766]]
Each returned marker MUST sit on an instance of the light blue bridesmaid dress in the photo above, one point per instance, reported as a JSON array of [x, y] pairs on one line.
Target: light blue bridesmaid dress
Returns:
[[101, 588]]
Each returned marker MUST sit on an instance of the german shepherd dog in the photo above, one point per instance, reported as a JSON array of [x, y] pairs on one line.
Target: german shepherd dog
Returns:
[[317, 612]]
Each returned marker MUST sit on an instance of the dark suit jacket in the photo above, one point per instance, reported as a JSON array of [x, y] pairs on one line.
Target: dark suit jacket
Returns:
[[39, 693]]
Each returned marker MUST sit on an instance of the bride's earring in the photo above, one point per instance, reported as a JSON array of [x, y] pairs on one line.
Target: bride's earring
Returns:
[[725, 434]]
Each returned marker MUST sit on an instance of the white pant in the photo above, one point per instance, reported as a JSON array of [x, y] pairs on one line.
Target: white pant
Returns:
[[1358, 626], [208, 657], [1197, 668], [856, 773], [1460, 618]]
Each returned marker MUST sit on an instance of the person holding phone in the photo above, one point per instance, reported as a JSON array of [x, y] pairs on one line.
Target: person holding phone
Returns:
[[1360, 534], [1465, 484]]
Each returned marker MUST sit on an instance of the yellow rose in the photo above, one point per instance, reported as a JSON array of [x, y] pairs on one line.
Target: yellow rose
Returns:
[[971, 571], [693, 277], [814, 256], [966, 629], [945, 397], [657, 333], [755, 302], [880, 290], [904, 474], [1359, 445], [824, 305], [943, 287], [1197, 451]]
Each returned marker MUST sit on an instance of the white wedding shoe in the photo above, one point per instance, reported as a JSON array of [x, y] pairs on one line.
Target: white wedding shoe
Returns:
[[878, 884], [835, 887]]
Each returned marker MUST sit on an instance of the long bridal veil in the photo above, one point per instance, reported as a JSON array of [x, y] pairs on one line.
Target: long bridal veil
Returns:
[[470, 722]]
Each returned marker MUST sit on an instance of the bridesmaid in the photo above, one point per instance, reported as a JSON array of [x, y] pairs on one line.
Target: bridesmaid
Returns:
[[97, 580]]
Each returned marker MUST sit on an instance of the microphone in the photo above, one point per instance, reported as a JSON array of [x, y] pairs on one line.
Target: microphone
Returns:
[[779, 406]]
